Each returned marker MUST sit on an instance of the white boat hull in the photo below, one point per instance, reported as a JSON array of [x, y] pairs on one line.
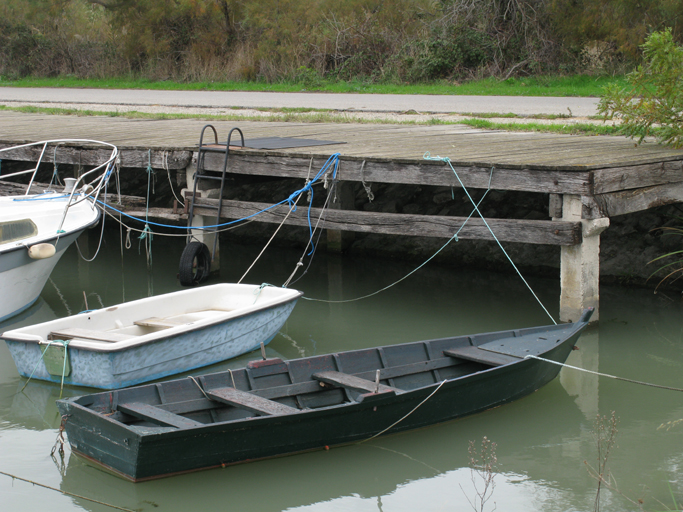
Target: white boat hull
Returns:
[[22, 284], [154, 355], [35, 229], [21, 277]]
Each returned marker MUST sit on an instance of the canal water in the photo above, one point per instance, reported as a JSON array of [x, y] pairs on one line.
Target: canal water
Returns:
[[544, 442]]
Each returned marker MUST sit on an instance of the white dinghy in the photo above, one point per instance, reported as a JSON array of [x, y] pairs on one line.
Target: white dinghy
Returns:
[[36, 229], [151, 338]]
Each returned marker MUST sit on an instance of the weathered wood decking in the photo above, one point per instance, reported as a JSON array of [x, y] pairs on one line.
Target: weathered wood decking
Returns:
[[589, 179]]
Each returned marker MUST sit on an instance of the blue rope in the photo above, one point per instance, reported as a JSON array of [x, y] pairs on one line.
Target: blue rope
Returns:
[[447, 160], [332, 162]]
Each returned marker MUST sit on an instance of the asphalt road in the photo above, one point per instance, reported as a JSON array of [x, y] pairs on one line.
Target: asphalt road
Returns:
[[521, 105]]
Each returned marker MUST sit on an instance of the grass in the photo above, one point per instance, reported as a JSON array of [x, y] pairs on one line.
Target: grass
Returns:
[[577, 85], [322, 116], [571, 129]]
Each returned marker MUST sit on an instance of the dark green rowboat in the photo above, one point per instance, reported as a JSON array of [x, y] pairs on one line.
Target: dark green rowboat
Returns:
[[274, 407]]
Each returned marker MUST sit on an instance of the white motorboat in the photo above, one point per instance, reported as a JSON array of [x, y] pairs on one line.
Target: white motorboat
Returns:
[[151, 338], [36, 228]]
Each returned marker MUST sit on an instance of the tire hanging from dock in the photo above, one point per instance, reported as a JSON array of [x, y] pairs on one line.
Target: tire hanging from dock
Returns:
[[195, 264]]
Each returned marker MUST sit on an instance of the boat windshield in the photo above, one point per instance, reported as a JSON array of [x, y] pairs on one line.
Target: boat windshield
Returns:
[[17, 230]]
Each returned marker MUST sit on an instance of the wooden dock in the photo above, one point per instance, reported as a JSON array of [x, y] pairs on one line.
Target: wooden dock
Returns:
[[589, 179]]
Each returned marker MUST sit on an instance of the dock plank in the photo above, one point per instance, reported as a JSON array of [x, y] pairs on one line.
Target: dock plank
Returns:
[[512, 230], [463, 145]]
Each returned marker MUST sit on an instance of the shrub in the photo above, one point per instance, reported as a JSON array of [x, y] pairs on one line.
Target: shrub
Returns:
[[653, 103]]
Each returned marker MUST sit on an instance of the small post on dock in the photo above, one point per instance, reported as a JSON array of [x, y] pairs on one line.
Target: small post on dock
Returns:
[[580, 264]]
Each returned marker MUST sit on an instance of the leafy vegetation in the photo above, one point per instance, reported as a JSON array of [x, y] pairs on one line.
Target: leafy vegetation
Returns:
[[313, 43], [652, 104]]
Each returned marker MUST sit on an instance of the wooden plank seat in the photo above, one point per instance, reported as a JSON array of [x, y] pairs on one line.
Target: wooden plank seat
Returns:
[[70, 333], [352, 382], [252, 403], [158, 322], [158, 416], [479, 355], [303, 388]]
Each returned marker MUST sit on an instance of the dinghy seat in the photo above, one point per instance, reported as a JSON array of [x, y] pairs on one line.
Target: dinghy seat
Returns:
[[479, 355], [157, 322], [71, 333], [249, 401], [157, 416], [352, 382]]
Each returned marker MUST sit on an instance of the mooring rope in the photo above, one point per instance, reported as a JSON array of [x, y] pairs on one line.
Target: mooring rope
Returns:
[[368, 189], [310, 243], [454, 237], [632, 381], [447, 160], [65, 492], [330, 166], [200, 388], [168, 173], [184, 228], [65, 344], [146, 234], [289, 212], [55, 166], [99, 243], [404, 417]]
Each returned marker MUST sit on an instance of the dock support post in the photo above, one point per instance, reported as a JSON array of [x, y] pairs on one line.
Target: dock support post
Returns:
[[202, 235], [580, 264], [342, 199]]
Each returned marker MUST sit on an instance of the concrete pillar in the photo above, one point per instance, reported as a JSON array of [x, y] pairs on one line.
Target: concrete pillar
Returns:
[[580, 264], [203, 220]]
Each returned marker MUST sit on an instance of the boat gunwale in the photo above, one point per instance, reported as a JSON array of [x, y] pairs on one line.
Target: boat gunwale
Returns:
[[25, 244], [156, 336], [375, 398]]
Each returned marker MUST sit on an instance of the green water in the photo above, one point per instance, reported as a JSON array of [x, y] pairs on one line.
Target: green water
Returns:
[[542, 440]]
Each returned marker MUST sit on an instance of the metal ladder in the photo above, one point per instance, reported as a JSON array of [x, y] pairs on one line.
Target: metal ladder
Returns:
[[202, 174]]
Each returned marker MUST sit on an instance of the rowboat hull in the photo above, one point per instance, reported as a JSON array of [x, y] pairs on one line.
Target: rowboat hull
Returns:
[[447, 387], [152, 355]]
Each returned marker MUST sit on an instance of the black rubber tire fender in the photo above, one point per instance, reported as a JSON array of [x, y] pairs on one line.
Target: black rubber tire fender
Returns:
[[195, 264]]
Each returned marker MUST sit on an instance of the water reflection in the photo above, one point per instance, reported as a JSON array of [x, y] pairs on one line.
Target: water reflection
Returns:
[[543, 440]]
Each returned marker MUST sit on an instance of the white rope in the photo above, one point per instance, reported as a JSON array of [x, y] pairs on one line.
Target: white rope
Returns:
[[291, 209], [200, 388], [158, 233], [603, 374], [367, 188], [404, 417], [168, 173]]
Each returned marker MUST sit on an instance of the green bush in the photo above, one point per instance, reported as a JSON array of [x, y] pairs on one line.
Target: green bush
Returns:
[[653, 102], [363, 40]]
